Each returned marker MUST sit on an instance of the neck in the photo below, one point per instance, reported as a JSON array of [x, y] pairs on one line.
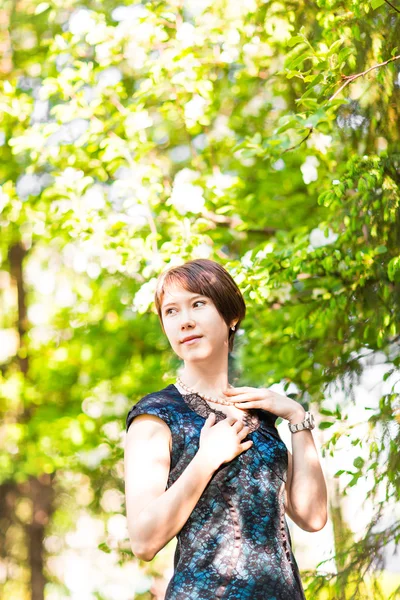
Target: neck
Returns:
[[209, 377], [207, 386]]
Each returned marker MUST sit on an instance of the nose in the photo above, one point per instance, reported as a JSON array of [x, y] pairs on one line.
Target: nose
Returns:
[[187, 321]]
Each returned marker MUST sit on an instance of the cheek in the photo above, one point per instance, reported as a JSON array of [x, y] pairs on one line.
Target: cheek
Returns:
[[173, 334]]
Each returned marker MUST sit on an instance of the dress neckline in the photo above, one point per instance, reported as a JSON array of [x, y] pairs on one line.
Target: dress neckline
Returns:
[[200, 406]]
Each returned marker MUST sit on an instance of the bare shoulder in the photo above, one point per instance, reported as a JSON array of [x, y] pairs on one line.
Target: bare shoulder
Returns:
[[147, 461], [146, 428]]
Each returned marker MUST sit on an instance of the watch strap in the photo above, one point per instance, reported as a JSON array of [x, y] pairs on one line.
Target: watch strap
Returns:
[[307, 423]]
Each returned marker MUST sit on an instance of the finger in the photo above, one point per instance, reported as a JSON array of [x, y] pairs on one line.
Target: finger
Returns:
[[249, 395], [238, 425], [247, 445], [210, 419], [253, 404], [231, 420], [244, 432]]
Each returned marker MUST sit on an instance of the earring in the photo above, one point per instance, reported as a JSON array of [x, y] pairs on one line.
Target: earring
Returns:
[[233, 328]]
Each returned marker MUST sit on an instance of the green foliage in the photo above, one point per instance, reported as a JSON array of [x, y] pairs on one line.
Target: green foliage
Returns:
[[243, 131]]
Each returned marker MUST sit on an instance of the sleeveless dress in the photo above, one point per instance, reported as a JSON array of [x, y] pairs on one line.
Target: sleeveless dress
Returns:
[[236, 542]]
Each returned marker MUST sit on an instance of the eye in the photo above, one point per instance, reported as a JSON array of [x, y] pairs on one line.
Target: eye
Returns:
[[197, 301]]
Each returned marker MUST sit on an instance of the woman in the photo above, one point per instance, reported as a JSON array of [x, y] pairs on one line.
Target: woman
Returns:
[[205, 462]]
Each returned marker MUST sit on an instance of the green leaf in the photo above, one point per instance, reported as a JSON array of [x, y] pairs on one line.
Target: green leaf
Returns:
[[325, 411], [326, 424], [394, 269], [340, 472], [289, 125], [41, 7], [316, 117], [295, 40], [343, 54], [388, 374], [377, 3], [297, 61], [317, 79], [308, 93], [334, 47], [358, 462]]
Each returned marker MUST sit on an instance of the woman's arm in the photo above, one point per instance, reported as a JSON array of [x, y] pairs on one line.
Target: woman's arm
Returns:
[[306, 495], [155, 515]]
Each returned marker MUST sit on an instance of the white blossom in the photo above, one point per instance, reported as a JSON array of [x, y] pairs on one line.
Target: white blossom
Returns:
[[309, 169], [186, 34], [220, 129], [135, 55], [279, 165], [254, 106], [92, 458], [40, 111], [246, 259], [93, 198], [109, 77], [144, 297], [68, 133], [28, 185], [4, 199], [196, 7], [68, 177], [317, 237], [221, 181], [117, 527], [187, 197], [81, 21], [194, 109], [137, 121], [202, 251], [180, 153], [319, 141], [129, 13]]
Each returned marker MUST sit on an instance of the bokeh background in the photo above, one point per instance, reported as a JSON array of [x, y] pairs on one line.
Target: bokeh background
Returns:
[[133, 137]]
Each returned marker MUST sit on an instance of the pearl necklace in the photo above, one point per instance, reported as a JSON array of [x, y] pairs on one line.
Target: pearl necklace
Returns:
[[209, 398]]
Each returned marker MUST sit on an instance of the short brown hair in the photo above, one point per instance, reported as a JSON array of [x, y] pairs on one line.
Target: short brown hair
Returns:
[[208, 278]]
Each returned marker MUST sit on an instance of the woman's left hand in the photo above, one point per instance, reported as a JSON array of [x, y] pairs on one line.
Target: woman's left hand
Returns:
[[264, 398]]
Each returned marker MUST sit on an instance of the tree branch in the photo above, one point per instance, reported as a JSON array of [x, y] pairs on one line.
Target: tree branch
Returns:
[[301, 142], [390, 4], [351, 78]]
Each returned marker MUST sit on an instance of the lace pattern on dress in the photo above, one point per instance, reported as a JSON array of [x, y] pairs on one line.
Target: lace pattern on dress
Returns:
[[200, 406], [284, 540]]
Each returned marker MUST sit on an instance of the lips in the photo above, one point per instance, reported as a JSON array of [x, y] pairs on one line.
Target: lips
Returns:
[[192, 337]]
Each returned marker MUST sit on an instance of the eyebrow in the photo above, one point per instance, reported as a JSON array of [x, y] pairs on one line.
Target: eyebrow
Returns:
[[191, 298]]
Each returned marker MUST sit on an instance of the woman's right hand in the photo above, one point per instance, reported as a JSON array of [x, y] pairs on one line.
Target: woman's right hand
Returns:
[[221, 443]]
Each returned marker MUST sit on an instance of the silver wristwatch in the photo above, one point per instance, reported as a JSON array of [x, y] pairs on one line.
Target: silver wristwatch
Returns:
[[308, 423]]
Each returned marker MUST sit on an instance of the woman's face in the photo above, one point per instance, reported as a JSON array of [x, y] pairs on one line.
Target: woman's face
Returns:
[[186, 314]]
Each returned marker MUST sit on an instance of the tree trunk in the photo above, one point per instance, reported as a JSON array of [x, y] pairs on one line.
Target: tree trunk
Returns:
[[342, 535], [41, 493], [39, 489]]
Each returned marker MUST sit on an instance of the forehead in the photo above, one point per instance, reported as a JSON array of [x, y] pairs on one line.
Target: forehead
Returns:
[[176, 293]]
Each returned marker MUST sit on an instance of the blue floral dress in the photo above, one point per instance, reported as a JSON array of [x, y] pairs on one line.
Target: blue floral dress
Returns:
[[236, 543]]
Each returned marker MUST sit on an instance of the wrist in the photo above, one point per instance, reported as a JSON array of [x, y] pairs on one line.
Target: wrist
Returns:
[[298, 416], [205, 463]]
